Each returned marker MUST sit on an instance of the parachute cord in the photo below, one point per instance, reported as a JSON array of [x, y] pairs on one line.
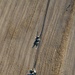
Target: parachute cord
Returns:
[[37, 52]]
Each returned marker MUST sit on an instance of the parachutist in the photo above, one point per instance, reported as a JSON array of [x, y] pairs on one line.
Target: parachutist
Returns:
[[32, 72], [37, 41]]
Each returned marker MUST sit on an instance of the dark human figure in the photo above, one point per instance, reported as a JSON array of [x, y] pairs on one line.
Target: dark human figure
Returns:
[[32, 72], [37, 41]]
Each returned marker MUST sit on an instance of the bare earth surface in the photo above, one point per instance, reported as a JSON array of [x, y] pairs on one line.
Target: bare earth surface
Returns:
[[19, 22]]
